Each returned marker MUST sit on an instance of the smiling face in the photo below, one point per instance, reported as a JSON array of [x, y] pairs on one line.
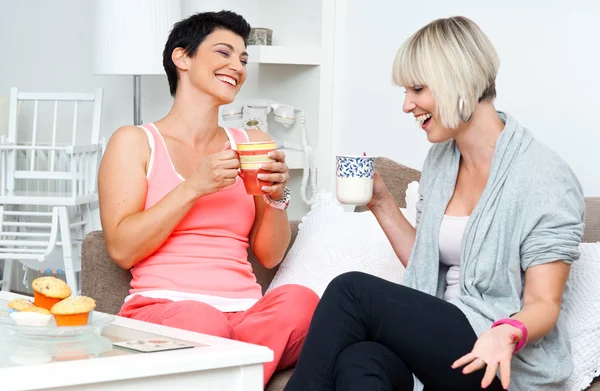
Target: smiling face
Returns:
[[447, 64], [218, 68], [420, 102]]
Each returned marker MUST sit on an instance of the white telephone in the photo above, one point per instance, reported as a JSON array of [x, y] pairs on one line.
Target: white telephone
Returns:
[[253, 114]]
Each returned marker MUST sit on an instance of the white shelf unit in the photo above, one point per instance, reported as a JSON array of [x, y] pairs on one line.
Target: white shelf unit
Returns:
[[290, 55], [294, 159]]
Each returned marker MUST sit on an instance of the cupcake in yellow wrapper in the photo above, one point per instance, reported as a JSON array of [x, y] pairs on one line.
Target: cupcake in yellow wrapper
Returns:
[[48, 291], [73, 311]]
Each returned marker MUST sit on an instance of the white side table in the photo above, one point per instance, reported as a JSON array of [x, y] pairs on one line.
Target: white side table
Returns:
[[92, 363]]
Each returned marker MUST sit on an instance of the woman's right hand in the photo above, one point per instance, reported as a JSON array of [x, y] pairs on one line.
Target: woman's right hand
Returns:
[[216, 172], [380, 192]]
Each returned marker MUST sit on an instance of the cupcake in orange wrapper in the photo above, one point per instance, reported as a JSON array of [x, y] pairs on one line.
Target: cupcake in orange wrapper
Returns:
[[74, 311], [48, 291]]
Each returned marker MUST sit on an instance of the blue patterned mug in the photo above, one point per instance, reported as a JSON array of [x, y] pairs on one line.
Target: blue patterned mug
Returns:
[[354, 179]]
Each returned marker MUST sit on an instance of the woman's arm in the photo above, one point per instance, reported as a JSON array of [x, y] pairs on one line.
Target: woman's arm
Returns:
[[556, 236], [544, 286], [270, 234], [132, 233], [542, 296], [546, 256], [398, 230]]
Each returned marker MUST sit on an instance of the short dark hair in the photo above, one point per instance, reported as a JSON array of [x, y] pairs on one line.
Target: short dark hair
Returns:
[[189, 33]]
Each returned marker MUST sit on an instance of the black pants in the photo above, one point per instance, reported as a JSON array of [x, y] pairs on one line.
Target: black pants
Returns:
[[371, 334]]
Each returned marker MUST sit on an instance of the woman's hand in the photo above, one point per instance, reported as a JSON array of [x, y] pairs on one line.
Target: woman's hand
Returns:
[[380, 191], [277, 173], [494, 348], [216, 172]]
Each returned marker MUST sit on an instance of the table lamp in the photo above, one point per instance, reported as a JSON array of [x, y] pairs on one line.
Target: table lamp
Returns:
[[129, 38]]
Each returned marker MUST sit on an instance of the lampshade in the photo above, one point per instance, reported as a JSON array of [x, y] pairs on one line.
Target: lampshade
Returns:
[[130, 35]]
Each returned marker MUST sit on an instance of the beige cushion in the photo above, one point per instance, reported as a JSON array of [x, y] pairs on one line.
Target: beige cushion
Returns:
[[101, 278], [592, 220], [279, 380]]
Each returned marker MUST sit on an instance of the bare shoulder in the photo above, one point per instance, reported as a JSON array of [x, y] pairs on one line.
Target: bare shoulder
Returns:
[[258, 135], [127, 147], [129, 136], [129, 140]]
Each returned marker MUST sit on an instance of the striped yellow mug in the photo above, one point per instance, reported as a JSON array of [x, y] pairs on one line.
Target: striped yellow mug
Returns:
[[252, 155]]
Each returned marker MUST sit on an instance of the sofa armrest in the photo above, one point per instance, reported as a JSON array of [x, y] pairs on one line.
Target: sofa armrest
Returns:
[[101, 278]]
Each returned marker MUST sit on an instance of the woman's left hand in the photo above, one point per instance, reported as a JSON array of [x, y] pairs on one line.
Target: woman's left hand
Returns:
[[278, 174], [494, 348]]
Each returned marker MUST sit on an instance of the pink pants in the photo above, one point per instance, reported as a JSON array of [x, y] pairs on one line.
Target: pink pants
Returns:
[[279, 321]]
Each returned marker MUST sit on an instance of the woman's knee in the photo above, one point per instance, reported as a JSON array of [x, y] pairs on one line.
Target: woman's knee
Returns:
[[297, 305], [372, 361], [349, 281], [362, 353]]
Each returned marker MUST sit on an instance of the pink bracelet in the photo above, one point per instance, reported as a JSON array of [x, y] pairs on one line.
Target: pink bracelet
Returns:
[[518, 324]]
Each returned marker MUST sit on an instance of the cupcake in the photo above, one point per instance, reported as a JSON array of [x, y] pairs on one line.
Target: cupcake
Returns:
[[19, 304], [36, 310], [32, 316], [48, 291], [73, 311]]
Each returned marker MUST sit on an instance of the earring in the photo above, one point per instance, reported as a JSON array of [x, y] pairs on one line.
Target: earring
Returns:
[[460, 111]]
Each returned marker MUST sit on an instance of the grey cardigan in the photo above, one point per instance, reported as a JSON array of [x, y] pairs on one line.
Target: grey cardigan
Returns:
[[531, 212]]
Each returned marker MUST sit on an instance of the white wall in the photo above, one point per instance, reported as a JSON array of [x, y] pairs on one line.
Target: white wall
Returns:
[[549, 75], [47, 46]]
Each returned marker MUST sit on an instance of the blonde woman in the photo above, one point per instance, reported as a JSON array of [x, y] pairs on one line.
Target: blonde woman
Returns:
[[500, 219]]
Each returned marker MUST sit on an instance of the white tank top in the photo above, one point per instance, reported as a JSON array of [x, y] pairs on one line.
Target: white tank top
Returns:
[[450, 244]]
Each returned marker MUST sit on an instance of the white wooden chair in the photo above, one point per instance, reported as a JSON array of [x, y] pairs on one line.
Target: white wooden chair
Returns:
[[47, 182]]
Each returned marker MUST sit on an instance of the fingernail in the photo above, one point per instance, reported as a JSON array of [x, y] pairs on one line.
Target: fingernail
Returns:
[[262, 176], [271, 154], [263, 165], [265, 188]]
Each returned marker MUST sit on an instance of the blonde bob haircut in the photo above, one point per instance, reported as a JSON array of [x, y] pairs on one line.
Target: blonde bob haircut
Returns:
[[455, 60]]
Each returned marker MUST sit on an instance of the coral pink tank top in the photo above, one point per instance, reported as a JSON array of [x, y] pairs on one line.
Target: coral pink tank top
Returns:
[[205, 258]]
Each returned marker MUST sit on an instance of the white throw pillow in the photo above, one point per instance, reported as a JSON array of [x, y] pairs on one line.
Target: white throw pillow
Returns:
[[331, 242], [581, 315]]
